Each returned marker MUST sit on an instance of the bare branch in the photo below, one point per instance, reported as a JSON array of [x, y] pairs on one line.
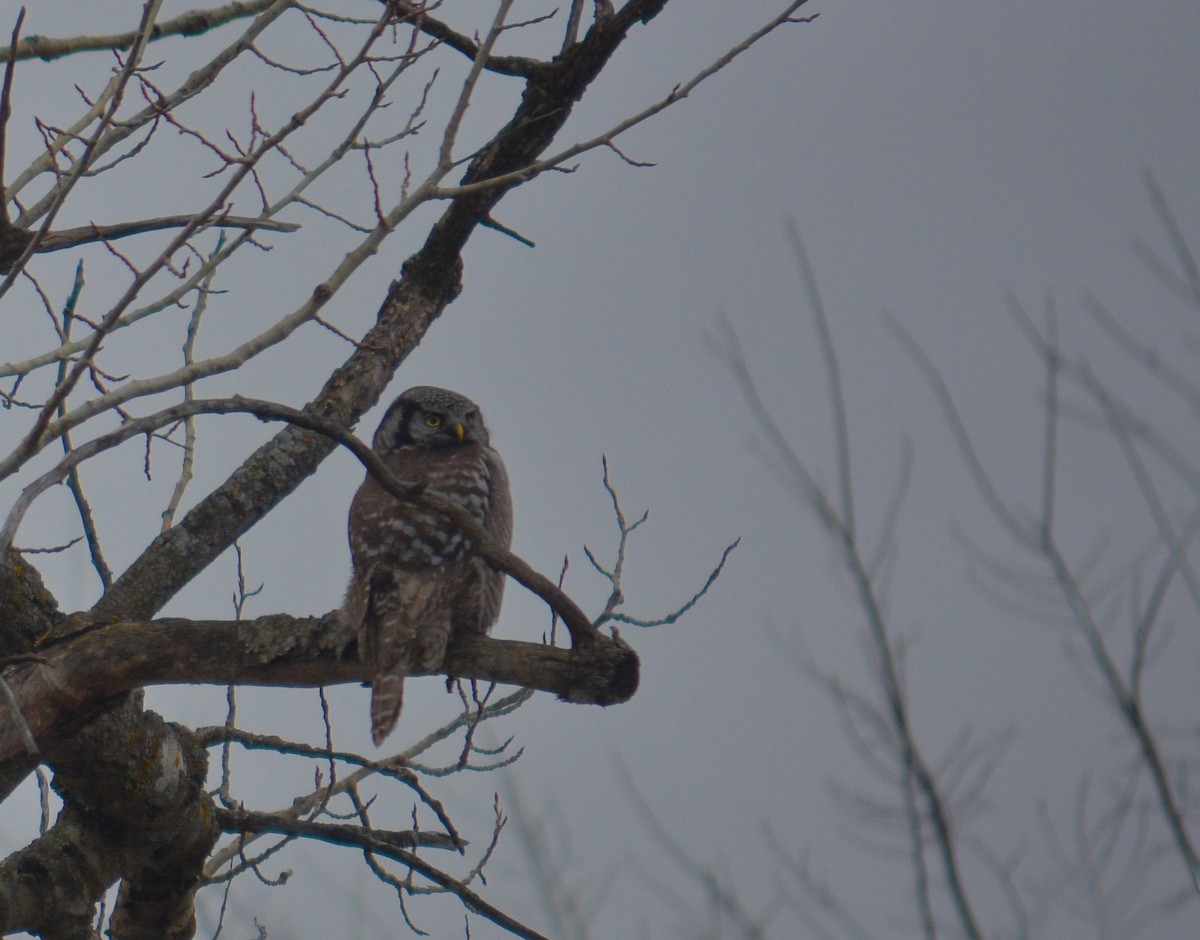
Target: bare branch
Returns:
[[277, 650], [5, 114], [677, 94], [926, 801], [391, 845], [192, 23], [837, 401], [1179, 242], [416, 14]]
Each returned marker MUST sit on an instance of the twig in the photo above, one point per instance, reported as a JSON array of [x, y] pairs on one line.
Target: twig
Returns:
[[415, 14], [189, 423], [74, 480], [5, 114], [688, 605], [450, 135], [393, 766], [677, 94], [224, 791], [1179, 241], [67, 238], [837, 401], [73, 175]]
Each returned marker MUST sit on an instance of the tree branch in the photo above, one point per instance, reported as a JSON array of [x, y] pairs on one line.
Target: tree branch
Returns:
[[379, 843], [192, 23], [78, 675], [415, 14]]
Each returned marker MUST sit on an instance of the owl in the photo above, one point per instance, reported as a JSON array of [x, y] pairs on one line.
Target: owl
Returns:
[[416, 581]]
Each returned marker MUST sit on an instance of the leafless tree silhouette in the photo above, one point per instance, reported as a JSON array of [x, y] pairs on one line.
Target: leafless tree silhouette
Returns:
[[257, 131], [1122, 862]]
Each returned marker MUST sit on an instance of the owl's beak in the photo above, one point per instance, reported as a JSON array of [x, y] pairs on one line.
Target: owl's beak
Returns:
[[459, 431]]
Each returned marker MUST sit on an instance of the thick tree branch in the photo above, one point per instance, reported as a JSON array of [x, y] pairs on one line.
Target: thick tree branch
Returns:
[[78, 675], [153, 830]]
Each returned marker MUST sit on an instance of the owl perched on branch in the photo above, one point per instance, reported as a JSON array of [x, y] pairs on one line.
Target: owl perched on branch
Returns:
[[416, 581]]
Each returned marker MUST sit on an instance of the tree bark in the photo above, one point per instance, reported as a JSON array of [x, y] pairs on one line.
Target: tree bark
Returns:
[[79, 678]]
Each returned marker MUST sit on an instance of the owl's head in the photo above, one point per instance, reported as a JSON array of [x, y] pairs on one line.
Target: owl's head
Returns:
[[425, 416]]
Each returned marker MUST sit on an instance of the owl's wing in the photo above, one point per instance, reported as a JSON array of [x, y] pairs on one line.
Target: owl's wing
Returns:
[[499, 521], [482, 587]]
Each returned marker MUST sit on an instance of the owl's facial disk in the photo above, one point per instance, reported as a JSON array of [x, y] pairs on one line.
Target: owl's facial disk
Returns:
[[434, 428], [428, 417]]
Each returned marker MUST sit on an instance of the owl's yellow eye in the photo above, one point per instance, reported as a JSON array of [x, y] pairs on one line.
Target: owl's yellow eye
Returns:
[[433, 421]]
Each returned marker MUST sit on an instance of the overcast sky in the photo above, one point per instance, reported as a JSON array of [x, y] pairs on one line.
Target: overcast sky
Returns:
[[934, 155]]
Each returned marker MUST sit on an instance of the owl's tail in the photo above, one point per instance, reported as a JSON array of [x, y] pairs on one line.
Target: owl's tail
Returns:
[[387, 696]]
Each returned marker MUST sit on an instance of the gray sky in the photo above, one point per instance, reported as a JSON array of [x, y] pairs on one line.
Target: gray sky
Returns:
[[934, 155]]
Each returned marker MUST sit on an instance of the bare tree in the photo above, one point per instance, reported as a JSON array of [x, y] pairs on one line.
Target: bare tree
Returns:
[[1122, 861], [1125, 863], [372, 126]]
